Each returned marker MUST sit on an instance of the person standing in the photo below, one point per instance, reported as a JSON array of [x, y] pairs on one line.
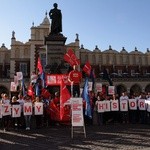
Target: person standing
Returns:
[[21, 120], [124, 114], [6, 119], [38, 118], [28, 117], [75, 78], [15, 120]]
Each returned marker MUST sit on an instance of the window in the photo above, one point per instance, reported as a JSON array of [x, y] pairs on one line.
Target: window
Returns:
[[23, 68], [132, 72], [8, 73], [119, 72]]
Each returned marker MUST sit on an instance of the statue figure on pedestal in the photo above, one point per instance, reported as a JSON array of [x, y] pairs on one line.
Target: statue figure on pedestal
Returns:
[[56, 17]]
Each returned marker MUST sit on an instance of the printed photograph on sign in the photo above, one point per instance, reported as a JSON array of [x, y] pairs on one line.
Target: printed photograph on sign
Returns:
[[111, 90], [19, 75], [51, 79], [16, 80], [98, 87], [33, 78], [13, 87]]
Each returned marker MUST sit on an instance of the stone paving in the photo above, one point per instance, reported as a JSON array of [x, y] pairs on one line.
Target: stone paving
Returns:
[[106, 137]]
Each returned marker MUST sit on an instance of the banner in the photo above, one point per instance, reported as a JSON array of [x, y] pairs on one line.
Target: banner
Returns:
[[55, 79], [16, 111], [77, 112]]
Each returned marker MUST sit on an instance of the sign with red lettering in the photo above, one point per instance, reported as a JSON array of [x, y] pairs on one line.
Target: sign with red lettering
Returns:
[[27, 108], [114, 105], [141, 104], [107, 105], [16, 111], [38, 108], [101, 106], [77, 111], [124, 105], [6, 110], [132, 104]]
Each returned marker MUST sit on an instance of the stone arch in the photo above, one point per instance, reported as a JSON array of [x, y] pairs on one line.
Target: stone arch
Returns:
[[147, 88], [136, 88], [3, 89], [121, 88]]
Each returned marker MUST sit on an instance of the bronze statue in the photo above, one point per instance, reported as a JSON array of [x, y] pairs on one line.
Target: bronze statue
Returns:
[[56, 16]]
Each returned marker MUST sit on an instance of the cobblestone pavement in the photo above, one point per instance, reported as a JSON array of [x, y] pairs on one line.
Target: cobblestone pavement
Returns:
[[107, 137]]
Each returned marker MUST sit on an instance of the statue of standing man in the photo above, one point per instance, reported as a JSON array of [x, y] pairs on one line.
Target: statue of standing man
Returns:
[[56, 23]]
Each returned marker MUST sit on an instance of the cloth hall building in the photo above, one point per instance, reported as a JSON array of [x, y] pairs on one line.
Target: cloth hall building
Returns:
[[129, 71]]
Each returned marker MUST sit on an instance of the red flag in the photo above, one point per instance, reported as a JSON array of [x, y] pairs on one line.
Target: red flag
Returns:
[[39, 66], [45, 93], [64, 96], [87, 68], [71, 58], [30, 91]]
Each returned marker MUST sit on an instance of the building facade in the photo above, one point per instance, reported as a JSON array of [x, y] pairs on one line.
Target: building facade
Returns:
[[129, 71]]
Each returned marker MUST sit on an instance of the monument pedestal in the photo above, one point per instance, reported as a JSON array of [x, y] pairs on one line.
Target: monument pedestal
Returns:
[[55, 50]]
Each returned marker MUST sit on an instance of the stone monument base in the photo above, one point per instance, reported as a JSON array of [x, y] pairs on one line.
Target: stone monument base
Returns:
[[55, 50]]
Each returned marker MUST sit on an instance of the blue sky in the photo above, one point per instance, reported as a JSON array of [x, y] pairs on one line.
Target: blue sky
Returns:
[[119, 23]]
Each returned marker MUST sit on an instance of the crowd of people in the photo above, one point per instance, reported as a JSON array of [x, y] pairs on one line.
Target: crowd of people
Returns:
[[8, 122], [129, 116], [98, 118]]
